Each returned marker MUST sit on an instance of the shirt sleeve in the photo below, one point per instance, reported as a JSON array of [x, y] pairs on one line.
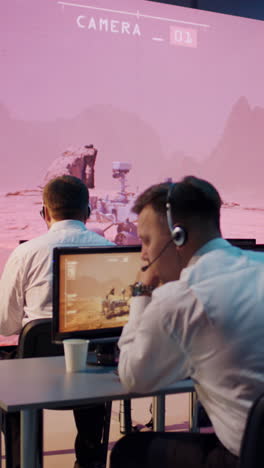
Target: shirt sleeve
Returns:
[[12, 297], [151, 355]]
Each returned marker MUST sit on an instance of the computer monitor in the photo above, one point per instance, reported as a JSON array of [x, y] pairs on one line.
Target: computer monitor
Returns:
[[246, 244], [91, 290], [258, 248]]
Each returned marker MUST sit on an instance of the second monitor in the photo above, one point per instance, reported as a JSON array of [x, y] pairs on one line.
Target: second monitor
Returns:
[[91, 290]]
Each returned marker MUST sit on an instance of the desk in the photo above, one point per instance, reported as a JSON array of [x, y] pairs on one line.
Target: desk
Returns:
[[28, 385]]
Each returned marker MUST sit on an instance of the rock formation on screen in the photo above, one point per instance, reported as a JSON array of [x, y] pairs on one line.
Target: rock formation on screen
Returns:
[[75, 161]]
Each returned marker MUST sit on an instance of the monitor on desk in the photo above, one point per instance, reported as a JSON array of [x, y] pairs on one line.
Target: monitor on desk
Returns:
[[246, 244], [91, 290]]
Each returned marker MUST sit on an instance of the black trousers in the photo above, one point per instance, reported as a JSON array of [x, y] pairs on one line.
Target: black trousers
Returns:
[[88, 443], [88, 447], [171, 450], [89, 421]]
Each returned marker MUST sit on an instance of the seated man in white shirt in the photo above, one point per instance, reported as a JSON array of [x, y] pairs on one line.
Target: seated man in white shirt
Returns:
[[197, 312], [26, 294]]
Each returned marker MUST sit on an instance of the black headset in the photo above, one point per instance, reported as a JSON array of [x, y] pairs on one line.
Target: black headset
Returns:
[[42, 211], [178, 233], [88, 210]]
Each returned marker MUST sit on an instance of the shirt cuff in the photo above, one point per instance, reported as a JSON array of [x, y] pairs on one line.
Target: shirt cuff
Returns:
[[137, 306]]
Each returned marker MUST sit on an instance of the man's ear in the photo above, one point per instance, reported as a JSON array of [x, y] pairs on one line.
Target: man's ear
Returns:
[[47, 214]]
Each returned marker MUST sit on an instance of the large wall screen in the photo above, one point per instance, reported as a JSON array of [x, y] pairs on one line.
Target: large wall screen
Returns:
[[127, 93]]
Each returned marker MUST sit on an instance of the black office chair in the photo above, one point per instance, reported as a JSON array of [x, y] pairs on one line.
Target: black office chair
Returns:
[[35, 341], [252, 447]]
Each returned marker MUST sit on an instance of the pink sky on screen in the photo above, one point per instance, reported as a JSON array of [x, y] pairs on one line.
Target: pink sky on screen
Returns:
[[77, 75], [54, 69]]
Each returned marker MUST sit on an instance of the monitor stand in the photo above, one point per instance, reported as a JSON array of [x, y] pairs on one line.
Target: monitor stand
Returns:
[[105, 354]]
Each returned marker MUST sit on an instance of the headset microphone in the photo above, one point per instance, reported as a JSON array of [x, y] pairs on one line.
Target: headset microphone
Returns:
[[144, 268], [88, 210]]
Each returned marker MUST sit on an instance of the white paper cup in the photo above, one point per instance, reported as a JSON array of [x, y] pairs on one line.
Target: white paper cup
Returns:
[[75, 352]]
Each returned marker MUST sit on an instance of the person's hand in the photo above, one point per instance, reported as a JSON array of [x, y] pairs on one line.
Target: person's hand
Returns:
[[149, 277]]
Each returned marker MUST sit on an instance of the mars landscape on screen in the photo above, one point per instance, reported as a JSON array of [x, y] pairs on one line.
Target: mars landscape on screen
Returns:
[[145, 92], [95, 290]]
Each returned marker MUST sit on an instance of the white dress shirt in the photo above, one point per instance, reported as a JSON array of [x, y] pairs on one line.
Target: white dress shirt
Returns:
[[208, 325], [25, 286]]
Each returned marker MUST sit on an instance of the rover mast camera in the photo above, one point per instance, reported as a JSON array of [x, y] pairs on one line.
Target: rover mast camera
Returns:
[[120, 170]]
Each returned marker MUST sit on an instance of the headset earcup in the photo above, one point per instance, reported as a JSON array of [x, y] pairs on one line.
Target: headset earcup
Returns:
[[178, 233], [179, 236], [88, 211]]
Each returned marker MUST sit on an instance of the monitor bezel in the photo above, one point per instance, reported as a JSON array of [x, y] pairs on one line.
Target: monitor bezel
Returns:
[[94, 335], [243, 243]]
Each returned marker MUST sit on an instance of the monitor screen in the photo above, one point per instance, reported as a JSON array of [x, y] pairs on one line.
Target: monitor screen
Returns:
[[91, 290]]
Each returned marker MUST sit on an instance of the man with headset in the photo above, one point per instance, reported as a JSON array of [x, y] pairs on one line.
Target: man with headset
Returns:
[[197, 312], [26, 294]]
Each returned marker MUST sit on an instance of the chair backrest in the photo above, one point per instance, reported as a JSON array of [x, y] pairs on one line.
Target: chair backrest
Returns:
[[252, 448], [35, 340]]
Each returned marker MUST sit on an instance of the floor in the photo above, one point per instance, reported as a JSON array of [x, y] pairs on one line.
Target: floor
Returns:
[[59, 428]]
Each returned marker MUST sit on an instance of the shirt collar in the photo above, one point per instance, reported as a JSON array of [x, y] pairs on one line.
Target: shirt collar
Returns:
[[214, 244], [67, 224]]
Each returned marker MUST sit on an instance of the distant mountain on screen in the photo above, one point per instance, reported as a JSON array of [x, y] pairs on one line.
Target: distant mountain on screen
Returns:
[[180, 165], [237, 160], [28, 148], [236, 164], [89, 286]]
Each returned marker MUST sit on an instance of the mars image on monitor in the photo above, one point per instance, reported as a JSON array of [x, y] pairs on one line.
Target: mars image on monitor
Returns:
[[95, 290]]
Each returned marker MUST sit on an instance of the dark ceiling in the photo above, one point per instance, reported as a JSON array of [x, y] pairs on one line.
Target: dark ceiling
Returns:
[[248, 8]]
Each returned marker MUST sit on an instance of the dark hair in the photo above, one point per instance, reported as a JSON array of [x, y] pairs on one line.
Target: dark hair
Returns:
[[67, 197], [191, 197]]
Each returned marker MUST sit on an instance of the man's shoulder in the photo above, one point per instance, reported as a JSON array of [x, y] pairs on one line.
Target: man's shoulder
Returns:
[[49, 240], [235, 257], [222, 261], [93, 238], [30, 246], [255, 256]]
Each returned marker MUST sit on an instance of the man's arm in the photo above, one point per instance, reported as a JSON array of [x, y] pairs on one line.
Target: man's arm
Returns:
[[12, 296], [151, 356]]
